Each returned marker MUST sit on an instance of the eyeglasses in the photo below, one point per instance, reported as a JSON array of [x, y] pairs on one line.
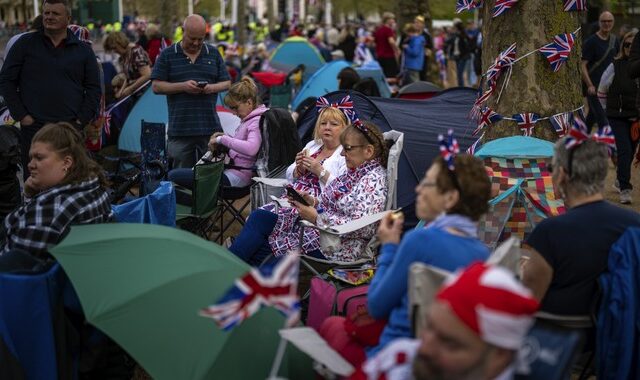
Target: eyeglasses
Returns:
[[606, 21], [626, 45], [349, 148]]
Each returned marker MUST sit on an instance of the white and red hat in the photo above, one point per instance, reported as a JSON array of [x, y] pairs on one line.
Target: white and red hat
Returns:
[[492, 303]]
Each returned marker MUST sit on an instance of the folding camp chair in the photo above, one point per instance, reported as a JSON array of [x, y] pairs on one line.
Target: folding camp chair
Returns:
[[199, 216]]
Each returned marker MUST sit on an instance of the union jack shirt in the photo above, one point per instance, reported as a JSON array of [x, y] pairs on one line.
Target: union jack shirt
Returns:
[[359, 192]]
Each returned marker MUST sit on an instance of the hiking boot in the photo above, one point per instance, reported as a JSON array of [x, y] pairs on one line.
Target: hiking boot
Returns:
[[616, 186], [625, 197]]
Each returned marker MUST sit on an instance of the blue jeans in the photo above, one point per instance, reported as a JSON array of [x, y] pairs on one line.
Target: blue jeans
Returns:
[[461, 65], [625, 148], [184, 151], [596, 113]]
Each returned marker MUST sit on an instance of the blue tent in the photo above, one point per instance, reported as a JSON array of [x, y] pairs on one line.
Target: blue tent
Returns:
[[420, 120], [320, 83], [295, 51], [150, 107], [376, 73]]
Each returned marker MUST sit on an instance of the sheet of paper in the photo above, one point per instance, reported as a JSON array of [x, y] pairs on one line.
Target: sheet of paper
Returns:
[[310, 342], [359, 223], [276, 182]]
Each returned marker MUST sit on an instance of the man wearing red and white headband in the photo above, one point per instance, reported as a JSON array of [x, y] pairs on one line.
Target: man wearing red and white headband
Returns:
[[475, 326]]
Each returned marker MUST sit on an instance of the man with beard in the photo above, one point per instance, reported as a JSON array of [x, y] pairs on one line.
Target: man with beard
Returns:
[[474, 328]]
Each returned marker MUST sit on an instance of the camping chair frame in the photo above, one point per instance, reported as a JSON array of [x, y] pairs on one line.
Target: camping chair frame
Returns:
[[199, 217]]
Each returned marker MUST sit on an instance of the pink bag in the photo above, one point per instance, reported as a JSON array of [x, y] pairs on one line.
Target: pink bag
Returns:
[[328, 298]]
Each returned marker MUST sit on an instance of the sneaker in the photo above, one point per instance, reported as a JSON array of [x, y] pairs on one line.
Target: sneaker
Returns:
[[625, 197], [616, 186]]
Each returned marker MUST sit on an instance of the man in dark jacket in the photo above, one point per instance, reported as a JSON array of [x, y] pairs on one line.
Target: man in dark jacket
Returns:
[[50, 76]]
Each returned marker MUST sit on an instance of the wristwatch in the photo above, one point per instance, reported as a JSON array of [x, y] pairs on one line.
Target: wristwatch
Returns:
[[322, 173]]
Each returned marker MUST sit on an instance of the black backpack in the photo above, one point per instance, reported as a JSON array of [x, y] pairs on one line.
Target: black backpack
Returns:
[[9, 160], [280, 141]]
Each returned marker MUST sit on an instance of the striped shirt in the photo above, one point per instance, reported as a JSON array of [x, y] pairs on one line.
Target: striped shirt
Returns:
[[190, 114]]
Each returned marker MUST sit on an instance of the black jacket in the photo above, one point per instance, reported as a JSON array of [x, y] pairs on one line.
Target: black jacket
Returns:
[[621, 97], [51, 84]]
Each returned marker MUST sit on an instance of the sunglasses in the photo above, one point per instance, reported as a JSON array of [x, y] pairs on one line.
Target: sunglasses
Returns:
[[626, 45], [349, 148]]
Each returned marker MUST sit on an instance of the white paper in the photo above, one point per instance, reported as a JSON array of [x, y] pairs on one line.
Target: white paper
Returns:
[[357, 224], [275, 182], [311, 343]]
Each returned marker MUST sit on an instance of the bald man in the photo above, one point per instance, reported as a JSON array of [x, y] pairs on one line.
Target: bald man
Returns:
[[190, 73], [597, 54]]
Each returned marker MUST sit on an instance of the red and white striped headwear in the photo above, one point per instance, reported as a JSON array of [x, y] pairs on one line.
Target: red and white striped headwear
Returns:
[[492, 303]]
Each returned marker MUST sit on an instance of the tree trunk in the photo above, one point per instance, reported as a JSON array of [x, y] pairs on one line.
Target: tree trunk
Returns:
[[168, 10], [242, 25], [533, 86]]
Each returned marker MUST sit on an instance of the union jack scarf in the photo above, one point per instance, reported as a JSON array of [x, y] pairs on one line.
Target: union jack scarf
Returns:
[[558, 51], [575, 5], [467, 5], [487, 118], [345, 105], [579, 133], [502, 6], [562, 123], [526, 122], [275, 286], [449, 149]]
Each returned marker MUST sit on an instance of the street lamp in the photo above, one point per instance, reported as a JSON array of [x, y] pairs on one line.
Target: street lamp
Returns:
[[36, 10]]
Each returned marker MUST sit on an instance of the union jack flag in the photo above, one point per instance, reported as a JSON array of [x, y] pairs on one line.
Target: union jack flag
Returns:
[[526, 122], [345, 105], [467, 5], [487, 118], [257, 289], [474, 147], [449, 149], [558, 51], [575, 5], [503, 60], [562, 123], [502, 5]]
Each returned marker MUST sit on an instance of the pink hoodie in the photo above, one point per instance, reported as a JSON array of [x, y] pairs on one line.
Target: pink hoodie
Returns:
[[245, 145]]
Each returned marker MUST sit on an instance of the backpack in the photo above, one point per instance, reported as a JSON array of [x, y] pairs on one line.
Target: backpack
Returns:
[[10, 159], [280, 140]]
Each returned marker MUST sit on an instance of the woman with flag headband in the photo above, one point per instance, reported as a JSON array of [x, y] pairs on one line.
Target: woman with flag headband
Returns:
[[451, 198], [570, 251], [360, 191]]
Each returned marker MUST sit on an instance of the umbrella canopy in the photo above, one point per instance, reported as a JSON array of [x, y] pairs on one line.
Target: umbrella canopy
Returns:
[[143, 285]]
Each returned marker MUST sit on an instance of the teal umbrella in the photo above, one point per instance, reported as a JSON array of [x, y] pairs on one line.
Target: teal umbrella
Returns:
[[143, 285]]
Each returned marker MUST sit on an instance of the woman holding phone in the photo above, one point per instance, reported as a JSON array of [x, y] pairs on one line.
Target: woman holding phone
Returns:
[[360, 191], [242, 99]]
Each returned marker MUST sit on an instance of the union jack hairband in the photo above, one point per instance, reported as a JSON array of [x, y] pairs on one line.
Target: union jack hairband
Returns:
[[345, 105], [579, 133], [449, 149]]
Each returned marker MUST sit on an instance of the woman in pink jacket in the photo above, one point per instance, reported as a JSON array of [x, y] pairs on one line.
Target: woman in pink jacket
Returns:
[[242, 99]]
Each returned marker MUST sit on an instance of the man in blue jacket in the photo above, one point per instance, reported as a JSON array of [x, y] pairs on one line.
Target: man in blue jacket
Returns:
[[50, 76]]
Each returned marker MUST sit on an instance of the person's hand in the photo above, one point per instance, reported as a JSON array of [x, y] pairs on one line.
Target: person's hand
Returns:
[[30, 188], [212, 140], [300, 163], [308, 213], [591, 90], [312, 165], [27, 120], [191, 87], [125, 91], [390, 228]]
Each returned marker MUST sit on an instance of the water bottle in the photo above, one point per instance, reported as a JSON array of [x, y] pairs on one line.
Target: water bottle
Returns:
[[321, 220]]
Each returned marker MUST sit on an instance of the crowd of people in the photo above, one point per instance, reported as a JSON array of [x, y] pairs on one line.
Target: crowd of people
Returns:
[[51, 83]]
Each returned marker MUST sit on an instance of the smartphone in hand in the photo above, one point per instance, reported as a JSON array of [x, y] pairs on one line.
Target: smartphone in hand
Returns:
[[296, 196], [202, 83]]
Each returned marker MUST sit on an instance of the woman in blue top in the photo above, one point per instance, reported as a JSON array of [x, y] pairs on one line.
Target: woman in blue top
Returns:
[[451, 202]]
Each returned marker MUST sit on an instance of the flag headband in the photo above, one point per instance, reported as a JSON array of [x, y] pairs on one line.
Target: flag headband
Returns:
[[579, 133], [346, 106], [449, 150]]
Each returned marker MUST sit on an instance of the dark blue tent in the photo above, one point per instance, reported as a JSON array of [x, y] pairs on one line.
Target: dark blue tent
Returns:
[[420, 120]]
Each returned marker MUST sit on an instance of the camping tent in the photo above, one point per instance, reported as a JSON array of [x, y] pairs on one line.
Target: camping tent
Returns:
[[153, 108], [322, 82], [293, 52], [420, 120], [375, 72], [519, 170], [419, 90]]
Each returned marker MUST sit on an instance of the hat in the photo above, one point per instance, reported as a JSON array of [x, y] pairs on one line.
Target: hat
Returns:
[[81, 33], [492, 303]]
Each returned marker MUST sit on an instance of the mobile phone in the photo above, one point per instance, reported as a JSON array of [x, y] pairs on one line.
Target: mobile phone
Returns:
[[202, 83], [296, 196]]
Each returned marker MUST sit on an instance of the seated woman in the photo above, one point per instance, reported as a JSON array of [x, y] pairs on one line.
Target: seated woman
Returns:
[[135, 62], [570, 251], [242, 99], [65, 187], [361, 191], [450, 202]]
